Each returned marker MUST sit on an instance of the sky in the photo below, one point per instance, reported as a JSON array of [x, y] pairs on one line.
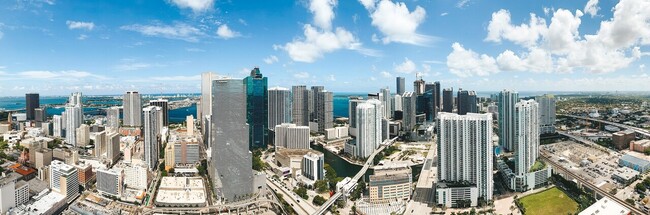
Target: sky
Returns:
[[55, 47]]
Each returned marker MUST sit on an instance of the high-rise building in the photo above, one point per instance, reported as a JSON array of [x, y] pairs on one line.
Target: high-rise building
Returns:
[[425, 104], [189, 122], [506, 101], [151, 137], [40, 115], [397, 101], [436, 96], [466, 102], [300, 105], [206, 96], [257, 112], [75, 99], [31, 103], [314, 102], [186, 152], [434, 89], [42, 157], [546, 113], [448, 100], [113, 148], [132, 116], [527, 133], [369, 127], [352, 113], [57, 127], [164, 106], [409, 111], [83, 135], [113, 118], [74, 119], [465, 155], [400, 85], [101, 144], [170, 157], [110, 182], [386, 100], [7, 193], [231, 159], [279, 106], [418, 85], [313, 166], [291, 136], [324, 110], [64, 179]]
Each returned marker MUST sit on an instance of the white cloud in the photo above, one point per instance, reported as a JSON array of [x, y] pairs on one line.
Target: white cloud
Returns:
[[80, 25], [178, 31], [444, 14], [331, 78], [323, 11], [242, 21], [194, 5], [301, 75], [194, 50], [82, 37], [59, 75], [368, 4], [177, 78], [271, 59], [133, 65], [317, 43], [462, 3], [224, 32], [397, 23], [466, 63], [406, 67], [592, 8], [386, 74], [524, 34]]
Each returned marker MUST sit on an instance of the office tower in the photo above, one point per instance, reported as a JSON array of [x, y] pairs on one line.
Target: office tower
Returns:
[[300, 105], [424, 103], [352, 113], [397, 101], [436, 96], [150, 137], [418, 85], [64, 179], [409, 111], [400, 85], [207, 131], [324, 110], [465, 154], [386, 101], [189, 124], [369, 128], [313, 166], [206, 95], [506, 103], [40, 115], [113, 148], [473, 102], [57, 126], [75, 99], [389, 184], [74, 119], [527, 135], [279, 106], [379, 112], [314, 101], [170, 157], [546, 113], [232, 162], [132, 116], [113, 118], [101, 144], [31, 103], [83, 135], [110, 182], [291, 136], [466, 102], [164, 106], [448, 100], [186, 152], [257, 112]]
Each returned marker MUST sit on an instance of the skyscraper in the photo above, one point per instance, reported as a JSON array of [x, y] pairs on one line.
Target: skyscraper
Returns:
[[151, 136], [279, 106], [472, 102], [40, 115], [466, 102], [369, 128], [436, 96], [206, 93], [506, 102], [325, 110], [448, 100], [75, 99], [431, 88], [64, 179], [418, 85], [231, 161], [113, 118], [31, 103], [57, 122], [352, 113], [386, 100], [527, 133], [546, 113], [400, 85], [132, 103], [314, 101], [464, 155], [257, 112], [409, 111], [74, 119], [164, 106], [300, 105]]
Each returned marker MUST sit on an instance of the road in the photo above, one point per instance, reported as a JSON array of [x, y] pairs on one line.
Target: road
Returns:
[[635, 129], [290, 197]]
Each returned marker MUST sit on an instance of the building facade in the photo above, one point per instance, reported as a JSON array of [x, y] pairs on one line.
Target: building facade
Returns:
[[257, 112], [110, 182], [132, 115], [164, 107], [506, 101], [113, 118], [300, 105], [313, 164], [151, 137], [64, 179], [448, 100], [546, 113], [409, 109], [279, 106], [400, 85], [390, 184], [291, 136]]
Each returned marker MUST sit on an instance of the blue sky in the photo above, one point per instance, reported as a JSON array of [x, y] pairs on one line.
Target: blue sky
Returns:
[[55, 47]]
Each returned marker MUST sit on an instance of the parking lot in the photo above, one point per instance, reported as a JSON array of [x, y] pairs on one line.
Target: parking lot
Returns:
[[594, 165]]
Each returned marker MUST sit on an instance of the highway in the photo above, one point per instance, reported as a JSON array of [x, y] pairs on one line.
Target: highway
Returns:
[[635, 129], [358, 176], [302, 207]]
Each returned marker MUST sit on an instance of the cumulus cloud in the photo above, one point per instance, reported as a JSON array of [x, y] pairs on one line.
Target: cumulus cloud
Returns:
[[396, 22], [466, 63], [80, 25], [224, 32], [406, 67], [592, 8], [194, 5], [500, 27], [323, 11], [178, 31], [386, 74], [271, 59]]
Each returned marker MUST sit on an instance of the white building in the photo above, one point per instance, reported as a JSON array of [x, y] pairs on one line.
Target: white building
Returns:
[[83, 135], [151, 137], [280, 106], [7, 193], [369, 128], [546, 113], [291, 136], [57, 126], [313, 164], [113, 118], [189, 121], [132, 116], [506, 103], [527, 148], [465, 154], [74, 119], [110, 182], [409, 111], [605, 206], [386, 101], [64, 179]]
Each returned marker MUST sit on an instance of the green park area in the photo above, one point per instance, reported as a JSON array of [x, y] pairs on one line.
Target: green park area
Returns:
[[551, 201]]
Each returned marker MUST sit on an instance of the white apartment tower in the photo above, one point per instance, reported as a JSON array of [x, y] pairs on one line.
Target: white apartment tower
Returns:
[[527, 133], [291, 136], [132, 103], [151, 136], [280, 106], [546, 114], [64, 179], [368, 120]]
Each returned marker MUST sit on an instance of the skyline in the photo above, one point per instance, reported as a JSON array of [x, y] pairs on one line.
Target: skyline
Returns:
[[58, 47]]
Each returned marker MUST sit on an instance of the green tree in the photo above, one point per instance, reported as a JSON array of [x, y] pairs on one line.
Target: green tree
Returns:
[[321, 186], [318, 200], [301, 191]]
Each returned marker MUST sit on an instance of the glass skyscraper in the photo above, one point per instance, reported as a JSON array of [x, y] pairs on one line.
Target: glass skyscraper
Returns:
[[257, 102]]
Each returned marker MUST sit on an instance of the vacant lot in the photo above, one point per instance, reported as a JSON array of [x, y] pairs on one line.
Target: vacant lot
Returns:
[[551, 201]]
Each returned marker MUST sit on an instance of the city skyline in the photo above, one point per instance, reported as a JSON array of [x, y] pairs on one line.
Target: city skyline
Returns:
[[164, 46]]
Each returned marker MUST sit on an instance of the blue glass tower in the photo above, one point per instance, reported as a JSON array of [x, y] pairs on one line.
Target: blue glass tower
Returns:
[[257, 103]]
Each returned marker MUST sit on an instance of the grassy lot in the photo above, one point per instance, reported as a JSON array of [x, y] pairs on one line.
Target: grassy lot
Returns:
[[551, 201]]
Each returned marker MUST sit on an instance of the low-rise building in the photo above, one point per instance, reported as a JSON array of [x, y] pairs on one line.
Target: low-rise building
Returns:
[[181, 192], [606, 206], [634, 163], [454, 195], [291, 158], [622, 139], [625, 175], [390, 184], [48, 203], [640, 145]]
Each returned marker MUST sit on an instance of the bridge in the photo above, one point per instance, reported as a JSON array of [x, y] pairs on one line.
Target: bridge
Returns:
[[640, 131], [214, 208], [358, 176]]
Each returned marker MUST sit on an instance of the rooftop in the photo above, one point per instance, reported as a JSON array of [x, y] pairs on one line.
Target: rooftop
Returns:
[[635, 160], [293, 152], [181, 190], [39, 206], [605, 206]]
